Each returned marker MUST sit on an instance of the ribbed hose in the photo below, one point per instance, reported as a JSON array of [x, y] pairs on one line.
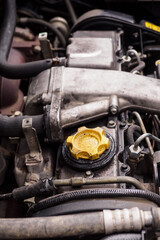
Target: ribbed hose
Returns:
[[124, 236], [12, 126], [130, 133], [92, 193]]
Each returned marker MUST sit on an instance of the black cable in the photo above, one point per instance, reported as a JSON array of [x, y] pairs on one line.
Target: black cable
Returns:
[[45, 24], [54, 12], [6, 196], [157, 119], [24, 70], [90, 194], [71, 11], [7, 28]]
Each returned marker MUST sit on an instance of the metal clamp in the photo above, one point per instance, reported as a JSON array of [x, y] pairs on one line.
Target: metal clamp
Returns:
[[45, 45], [35, 156]]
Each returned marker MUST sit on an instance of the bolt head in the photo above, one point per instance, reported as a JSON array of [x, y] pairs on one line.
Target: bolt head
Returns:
[[113, 110], [111, 124], [88, 173], [134, 153]]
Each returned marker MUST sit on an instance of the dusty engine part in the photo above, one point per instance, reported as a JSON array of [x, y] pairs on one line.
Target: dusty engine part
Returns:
[[78, 95], [88, 49], [86, 144]]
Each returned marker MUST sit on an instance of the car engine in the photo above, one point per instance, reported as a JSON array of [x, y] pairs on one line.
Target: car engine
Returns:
[[80, 119]]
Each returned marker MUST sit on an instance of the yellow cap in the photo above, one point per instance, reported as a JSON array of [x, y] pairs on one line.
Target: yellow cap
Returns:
[[88, 143]]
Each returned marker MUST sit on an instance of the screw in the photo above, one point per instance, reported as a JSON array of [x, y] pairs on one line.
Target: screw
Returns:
[[17, 113], [32, 155], [37, 49], [122, 124], [124, 167], [88, 173], [111, 124], [113, 110]]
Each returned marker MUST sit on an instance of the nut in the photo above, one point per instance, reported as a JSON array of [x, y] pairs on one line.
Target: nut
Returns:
[[134, 153]]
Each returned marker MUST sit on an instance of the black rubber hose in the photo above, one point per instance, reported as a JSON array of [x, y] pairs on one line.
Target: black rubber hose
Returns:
[[7, 28], [90, 194], [12, 126], [71, 11], [130, 133], [24, 192], [24, 70], [124, 236], [45, 24], [6, 196]]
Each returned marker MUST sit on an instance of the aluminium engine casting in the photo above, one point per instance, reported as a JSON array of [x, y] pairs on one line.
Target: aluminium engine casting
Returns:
[[79, 120]]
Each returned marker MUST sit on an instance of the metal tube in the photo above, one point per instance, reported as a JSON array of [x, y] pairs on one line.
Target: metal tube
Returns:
[[144, 131], [79, 181], [143, 136], [133, 51], [155, 175]]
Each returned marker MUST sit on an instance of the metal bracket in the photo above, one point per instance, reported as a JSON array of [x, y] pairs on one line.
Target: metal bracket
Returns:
[[35, 156], [45, 45]]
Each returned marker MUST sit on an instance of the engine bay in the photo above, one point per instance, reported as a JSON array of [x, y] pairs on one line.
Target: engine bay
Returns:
[[79, 119]]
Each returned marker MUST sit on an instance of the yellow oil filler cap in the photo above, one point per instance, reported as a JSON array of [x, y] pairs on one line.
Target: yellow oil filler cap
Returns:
[[88, 143]]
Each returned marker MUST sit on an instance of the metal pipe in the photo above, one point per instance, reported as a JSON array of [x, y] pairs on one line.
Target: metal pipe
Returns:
[[144, 131], [83, 224], [79, 181], [143, 136], [133, 51], [140, 67], [155, 175]]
